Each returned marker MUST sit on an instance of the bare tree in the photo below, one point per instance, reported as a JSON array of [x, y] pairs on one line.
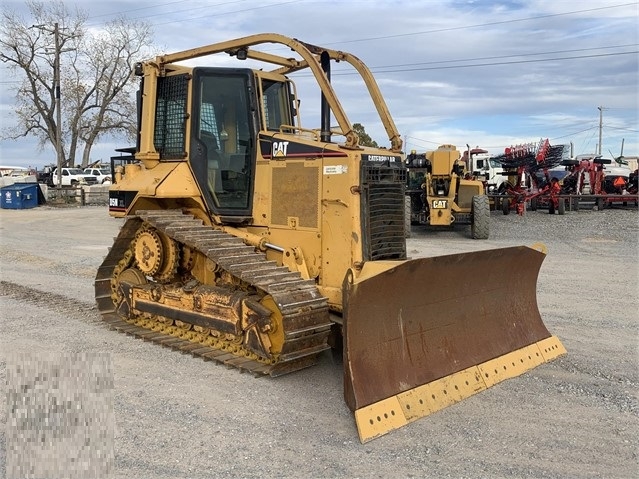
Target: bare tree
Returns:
[[96, 76]]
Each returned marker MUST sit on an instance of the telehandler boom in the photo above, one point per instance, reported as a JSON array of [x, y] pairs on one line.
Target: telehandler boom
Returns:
[[256, 241]]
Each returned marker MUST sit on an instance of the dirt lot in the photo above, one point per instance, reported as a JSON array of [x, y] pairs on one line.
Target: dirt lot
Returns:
[[179, 417]]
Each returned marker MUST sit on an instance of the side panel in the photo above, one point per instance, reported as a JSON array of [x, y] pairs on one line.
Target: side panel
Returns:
[[468, 189], [309, 204], [166, 180], [341, 227], [295, 188]]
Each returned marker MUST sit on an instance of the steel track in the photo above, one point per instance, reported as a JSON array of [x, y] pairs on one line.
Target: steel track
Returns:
[[304, 310]]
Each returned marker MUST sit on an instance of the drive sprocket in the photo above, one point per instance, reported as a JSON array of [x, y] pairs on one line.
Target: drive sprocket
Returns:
[[156, 255]]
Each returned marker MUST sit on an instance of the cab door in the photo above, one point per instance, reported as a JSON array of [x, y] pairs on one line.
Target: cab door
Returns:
[[224, 128]]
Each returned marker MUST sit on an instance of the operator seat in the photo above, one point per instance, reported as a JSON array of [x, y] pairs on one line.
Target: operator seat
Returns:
[[213, 161]]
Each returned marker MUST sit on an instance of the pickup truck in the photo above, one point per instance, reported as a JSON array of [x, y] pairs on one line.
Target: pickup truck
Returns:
[[102, 174], [73, 177]]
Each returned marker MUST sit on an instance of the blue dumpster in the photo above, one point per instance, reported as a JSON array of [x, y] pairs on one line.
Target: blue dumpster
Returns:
[[19, 196]]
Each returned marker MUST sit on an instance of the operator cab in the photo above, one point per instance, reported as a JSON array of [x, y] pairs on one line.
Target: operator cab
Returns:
[[226, 118]]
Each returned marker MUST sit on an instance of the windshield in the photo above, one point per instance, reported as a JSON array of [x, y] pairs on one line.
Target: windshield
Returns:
[[75, 171]]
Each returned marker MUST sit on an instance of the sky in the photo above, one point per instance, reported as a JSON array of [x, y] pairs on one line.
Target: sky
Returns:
[[488, 74]]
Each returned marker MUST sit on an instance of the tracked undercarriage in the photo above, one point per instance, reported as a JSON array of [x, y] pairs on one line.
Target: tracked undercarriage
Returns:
[[171, 279]]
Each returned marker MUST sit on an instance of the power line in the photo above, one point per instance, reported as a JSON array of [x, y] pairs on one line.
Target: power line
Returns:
[[218, 14], [501, 63], [620, 128], [422, 140], [593, 128], [478, 25], [387, 69], [574, 133], [511, 56], [488, 24], [154, 6], [381, 69], [229, 13]]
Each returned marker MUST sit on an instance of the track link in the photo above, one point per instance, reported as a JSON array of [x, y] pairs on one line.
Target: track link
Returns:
[[304, 310]]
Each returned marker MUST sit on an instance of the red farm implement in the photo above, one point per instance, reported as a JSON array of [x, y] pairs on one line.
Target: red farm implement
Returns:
[[529, 181]]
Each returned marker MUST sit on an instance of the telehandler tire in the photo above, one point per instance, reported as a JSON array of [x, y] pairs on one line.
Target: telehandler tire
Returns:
[[407, 215], [480, 226]]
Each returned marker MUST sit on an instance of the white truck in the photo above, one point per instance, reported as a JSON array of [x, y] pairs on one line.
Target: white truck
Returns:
[[102, 174], [481, 165], [73, 177]]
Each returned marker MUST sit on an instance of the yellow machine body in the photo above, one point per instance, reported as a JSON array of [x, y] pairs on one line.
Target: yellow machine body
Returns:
[[443, 193], [256, 241]]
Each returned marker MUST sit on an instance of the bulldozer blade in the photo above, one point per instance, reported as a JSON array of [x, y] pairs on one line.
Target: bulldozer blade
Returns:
[[426, 333]]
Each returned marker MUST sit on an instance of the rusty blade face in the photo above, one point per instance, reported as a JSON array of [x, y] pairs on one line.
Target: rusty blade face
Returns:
[[427, 318]]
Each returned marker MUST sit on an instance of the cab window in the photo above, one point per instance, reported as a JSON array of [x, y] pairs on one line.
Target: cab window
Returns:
[[223, 128], [277, 105]]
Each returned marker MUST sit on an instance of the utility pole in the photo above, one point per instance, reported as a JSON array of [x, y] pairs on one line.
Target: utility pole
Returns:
[[56, 96], [56, 87], [600, 108]]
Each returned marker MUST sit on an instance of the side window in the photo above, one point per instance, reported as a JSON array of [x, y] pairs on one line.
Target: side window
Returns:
[[207, 119], [170, 117], [277, 107]]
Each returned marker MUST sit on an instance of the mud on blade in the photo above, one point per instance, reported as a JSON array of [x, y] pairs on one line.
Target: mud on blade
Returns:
[[426, 333]]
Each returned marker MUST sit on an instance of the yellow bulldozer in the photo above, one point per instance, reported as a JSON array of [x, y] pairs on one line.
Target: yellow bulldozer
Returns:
[[443, 193], [256, 241]]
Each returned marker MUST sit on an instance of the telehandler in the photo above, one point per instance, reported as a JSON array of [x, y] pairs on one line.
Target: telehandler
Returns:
[[444, 193], [253, 240]]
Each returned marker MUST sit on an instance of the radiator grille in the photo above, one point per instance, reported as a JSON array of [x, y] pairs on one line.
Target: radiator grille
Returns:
[[383, 189]]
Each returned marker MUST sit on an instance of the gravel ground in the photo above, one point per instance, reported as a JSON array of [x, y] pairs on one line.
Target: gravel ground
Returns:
[[179, 417]]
